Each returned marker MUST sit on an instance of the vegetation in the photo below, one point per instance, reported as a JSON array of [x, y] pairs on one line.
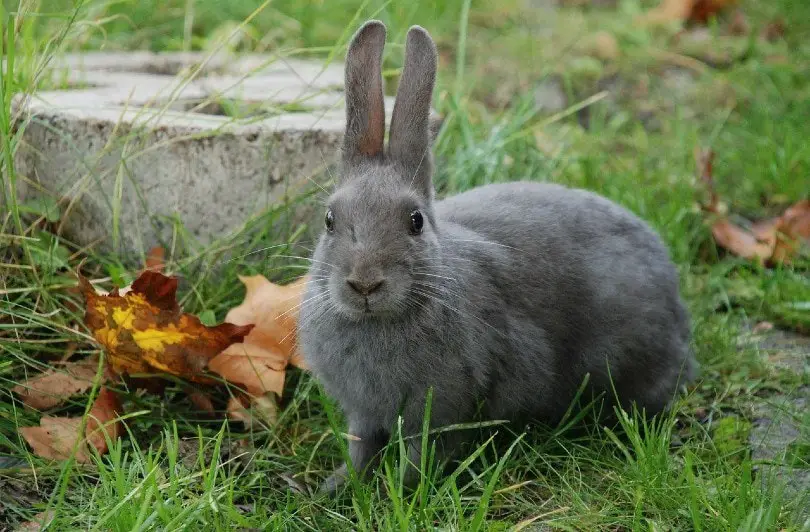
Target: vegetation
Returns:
[[745, 96]]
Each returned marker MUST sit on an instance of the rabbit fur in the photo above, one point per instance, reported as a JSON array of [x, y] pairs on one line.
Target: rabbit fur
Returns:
[[503, 301]]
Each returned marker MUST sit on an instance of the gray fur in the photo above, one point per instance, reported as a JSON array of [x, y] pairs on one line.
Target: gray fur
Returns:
[[509, 297]]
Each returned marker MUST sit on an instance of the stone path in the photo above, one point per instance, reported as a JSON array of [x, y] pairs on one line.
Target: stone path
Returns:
[[780, 435]]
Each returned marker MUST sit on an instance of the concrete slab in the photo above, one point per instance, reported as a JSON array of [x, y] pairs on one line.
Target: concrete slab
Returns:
[[142, 142]]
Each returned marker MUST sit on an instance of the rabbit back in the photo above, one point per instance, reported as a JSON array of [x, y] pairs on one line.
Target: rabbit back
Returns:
[[585, 281]]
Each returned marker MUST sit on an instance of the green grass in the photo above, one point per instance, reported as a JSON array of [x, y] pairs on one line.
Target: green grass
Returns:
[[692, 470]]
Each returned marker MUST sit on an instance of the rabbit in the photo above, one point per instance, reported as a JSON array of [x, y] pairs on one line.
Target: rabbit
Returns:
[[501, 299]]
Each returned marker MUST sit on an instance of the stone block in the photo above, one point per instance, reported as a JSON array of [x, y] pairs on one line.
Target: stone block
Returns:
[[140, 144]]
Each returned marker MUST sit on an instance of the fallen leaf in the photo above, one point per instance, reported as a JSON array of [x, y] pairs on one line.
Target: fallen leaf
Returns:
[[774, 30], [40, 522], [201, 401], [56, 437], [739, 241], [145, 330], [259, 362], [776, 240], [739, 24], [792, 231], [54, 386], [602, 45], [761, 327], [155, 259], [669, 11], [258, 369], [261, 409]]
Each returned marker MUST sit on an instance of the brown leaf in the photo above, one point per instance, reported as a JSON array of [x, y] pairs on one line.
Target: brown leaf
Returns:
[[259, 362], [739, 24], [145, 330], [761, 327], [792, 231], [201, 401], [253, 411], [602, 45], [771, 241], [739, 241], [39, 522], [155, 259], [774, 31], [54, 386], [703, 10], [669, 11], [258, 369], [56, 437]]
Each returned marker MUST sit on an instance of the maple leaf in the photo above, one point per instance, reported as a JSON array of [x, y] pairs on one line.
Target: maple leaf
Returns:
[[56, 437], [145, 330], [259, 362], [52, 387]]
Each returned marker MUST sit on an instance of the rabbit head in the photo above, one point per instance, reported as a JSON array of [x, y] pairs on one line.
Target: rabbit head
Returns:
[[380, 229]]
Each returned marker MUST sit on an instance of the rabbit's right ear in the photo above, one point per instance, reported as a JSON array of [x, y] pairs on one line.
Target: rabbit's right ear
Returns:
[[365, 110]]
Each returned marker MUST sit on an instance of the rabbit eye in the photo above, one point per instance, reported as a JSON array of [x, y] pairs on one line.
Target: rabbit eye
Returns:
[[330, 221], [417, 221]]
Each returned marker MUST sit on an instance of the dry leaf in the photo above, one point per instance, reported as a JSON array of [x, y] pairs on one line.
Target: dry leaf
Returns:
[[258, 369], [792, 231], [154, 262], [761, 327], [703, 10], [56, 437], [156, 259], [201, 401], [774, 31], [739, 241], [259, 362], [685, 10], [261, 409], [54, 386], [602, 45], [776, 240], [145, 330], [739, 24], [39, 522]]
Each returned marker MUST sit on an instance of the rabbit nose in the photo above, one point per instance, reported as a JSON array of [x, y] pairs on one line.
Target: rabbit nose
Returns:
[[364, 287]]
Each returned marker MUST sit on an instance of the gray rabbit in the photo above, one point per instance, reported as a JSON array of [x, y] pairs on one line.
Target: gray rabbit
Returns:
[[501, 299]]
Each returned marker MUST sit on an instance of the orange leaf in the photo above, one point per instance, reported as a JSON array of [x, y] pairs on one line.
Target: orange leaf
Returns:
[[56, 437], [274, 310], [259, 363], [739, 241], [792, 231], [201, 401], [54, 386], [155, 259], [145, 330], [772, 241], [40, 521], [259, 370], [685, 10], [262, 408]]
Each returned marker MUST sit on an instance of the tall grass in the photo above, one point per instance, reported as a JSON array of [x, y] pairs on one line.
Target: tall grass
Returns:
[[175, 470]]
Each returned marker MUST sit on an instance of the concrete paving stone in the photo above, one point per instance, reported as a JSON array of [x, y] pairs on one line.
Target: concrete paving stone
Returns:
[[145, 137], [780, 435]]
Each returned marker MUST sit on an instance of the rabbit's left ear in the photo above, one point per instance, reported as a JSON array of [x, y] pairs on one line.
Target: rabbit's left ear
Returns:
[[409, 138]]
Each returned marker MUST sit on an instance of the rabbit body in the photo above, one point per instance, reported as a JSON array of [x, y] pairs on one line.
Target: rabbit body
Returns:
[[502, 302]]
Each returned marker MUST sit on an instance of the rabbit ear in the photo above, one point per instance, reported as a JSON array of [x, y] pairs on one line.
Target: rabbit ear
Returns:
[[409, 142], [365, 110]]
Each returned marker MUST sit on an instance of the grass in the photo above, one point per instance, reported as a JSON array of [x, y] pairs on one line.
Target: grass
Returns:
[[690, 470]]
